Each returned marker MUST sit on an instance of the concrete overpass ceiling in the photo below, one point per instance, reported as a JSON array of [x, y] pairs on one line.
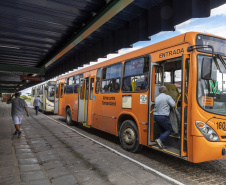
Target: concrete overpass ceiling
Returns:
[[60, 35]]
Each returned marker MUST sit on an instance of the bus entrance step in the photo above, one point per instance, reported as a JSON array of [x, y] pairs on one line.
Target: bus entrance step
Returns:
[[152, 143], [85, 125]]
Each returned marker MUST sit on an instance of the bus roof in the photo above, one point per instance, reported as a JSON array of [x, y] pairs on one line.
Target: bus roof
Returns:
[[188, 37], [49, 83]]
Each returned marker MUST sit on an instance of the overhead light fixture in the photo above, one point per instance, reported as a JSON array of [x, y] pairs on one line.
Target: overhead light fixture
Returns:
[[13, 47]]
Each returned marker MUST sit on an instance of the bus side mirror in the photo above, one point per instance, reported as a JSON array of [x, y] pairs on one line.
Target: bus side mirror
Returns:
[[209, 71], [46, 88]]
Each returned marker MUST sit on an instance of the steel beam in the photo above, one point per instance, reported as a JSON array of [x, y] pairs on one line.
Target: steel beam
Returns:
[[11, 82], [111, 9], [15, 68]]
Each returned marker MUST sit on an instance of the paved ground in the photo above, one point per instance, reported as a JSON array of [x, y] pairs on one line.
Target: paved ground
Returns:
[[48, 153]]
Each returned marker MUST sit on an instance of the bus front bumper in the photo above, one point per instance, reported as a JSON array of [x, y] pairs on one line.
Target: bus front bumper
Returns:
[[204, 150]]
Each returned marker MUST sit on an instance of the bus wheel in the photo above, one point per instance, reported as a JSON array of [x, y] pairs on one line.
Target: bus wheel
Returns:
[[68, 117], [129, 136]]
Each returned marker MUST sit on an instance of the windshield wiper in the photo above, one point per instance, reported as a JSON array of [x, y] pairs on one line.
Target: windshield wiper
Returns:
[[223, 63]]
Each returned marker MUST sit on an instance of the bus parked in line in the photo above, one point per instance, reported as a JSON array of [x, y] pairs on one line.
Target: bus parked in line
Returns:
[[117, 96], [46, 92]]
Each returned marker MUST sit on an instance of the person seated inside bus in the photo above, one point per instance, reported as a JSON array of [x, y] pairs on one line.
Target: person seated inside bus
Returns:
[[105, 89], [142, 83], [113, 86], [139, 88], [126, 86]]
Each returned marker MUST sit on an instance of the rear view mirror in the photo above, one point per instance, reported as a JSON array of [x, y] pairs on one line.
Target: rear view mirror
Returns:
[[209, 70]]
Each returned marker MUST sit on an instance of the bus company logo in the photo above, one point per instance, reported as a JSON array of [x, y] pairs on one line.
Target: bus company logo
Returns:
[[143, 99], [171, 53]]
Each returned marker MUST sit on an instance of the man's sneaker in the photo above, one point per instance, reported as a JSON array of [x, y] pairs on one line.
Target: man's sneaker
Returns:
[[159, 143], [163, 146], [19, 134], [15, 133]]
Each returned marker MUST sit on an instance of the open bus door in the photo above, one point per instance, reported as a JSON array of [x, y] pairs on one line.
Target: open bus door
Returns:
[[61, 100], [154, 87], [90, 100], [185, 114], [83, 99], [176, 144], [56, 98], [86, 100]]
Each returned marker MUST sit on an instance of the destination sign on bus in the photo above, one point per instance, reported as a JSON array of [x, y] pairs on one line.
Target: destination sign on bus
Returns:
[[218, 44]]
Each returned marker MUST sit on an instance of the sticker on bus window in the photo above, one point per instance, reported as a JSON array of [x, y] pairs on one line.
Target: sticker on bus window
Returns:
[[207, 101], [143, 99]]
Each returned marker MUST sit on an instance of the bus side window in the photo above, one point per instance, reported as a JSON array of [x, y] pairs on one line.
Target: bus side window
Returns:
[[177, 79], [70, 86], [33, 92], [97, 88], [61, 90], [136, 75], [65, 86], [167, 77], [76, 84], [91, 88], [111, 78], [158, 79]]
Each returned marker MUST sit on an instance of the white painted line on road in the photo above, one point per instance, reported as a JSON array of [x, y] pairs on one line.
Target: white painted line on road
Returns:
[[115, 151]]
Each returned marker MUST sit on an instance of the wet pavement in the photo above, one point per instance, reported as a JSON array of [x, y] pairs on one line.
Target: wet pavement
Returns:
[[49, 153]]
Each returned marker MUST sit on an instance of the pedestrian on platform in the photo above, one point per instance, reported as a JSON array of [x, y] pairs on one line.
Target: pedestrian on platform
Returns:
[[17, 111], [37, 102], [163, 102]]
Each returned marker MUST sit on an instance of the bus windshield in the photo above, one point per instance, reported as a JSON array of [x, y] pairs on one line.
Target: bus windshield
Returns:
[[50, 93], [211, 94]]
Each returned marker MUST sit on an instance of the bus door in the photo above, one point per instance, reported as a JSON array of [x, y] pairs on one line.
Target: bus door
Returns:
[[56, 99], [83, 100], [174, 76], [185, 114], [90, 100], [156, 80], [61, 98]]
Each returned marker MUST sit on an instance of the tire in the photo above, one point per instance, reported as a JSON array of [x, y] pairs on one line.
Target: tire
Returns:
[[68, 117], [129, 136]]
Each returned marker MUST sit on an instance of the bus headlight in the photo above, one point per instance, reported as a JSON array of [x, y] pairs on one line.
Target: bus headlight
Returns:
[[207, 131]]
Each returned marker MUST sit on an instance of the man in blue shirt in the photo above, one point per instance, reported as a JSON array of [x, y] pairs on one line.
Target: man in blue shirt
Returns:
[[163, 102], [17, 111], [37, 102]]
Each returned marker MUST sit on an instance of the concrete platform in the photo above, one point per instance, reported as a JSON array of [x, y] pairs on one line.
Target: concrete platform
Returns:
[[49, 153]]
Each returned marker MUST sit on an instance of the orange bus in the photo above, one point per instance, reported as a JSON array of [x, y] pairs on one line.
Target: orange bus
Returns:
[[117, 96]]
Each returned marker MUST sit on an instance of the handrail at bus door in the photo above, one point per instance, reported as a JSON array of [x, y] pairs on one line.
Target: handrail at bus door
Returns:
[[184, 104]]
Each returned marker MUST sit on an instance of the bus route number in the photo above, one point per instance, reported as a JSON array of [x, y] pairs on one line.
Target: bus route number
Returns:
[[221, 125]]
